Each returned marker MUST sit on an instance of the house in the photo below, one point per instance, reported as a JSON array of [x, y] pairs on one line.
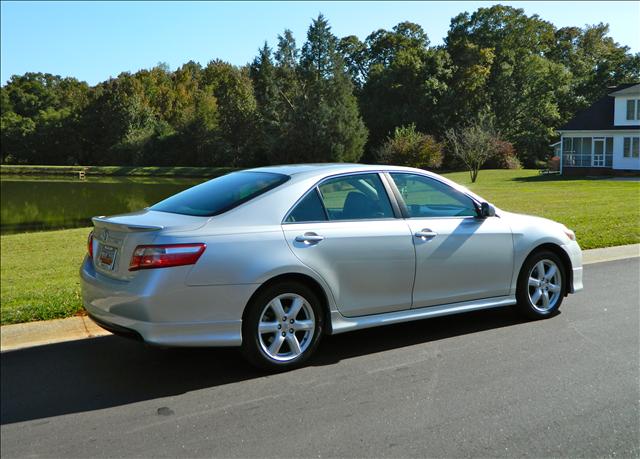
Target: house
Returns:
[[604, 139]]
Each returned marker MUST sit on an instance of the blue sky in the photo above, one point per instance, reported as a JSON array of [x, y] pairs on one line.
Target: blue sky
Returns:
[[93, 41]]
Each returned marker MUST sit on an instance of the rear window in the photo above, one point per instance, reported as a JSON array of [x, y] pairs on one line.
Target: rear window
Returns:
[[221, 194]]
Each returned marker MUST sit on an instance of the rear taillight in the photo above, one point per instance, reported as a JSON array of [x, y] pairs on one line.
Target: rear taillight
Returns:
[[90, 245], [164, 256]]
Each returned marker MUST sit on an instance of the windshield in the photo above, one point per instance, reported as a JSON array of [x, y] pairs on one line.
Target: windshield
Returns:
[[221, 194]]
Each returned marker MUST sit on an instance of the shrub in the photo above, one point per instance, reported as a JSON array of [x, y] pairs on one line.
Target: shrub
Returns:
[[504, 156], [554, 163], [409, 147]]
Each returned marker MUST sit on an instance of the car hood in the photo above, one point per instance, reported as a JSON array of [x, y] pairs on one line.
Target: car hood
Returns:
[[523, 220]]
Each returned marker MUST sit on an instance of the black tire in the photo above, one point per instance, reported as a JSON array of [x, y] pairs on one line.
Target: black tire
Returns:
[[252, 341], [525, 291]]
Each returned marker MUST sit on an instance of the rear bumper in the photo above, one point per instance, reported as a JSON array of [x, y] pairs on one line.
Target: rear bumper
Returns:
[[161, 309], [177, 334]]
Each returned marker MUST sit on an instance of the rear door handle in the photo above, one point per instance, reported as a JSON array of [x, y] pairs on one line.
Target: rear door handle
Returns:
[[425, 233], [309, 238]]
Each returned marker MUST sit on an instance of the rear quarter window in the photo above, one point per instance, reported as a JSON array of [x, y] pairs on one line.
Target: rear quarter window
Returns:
[[221, 194], [309, 209]]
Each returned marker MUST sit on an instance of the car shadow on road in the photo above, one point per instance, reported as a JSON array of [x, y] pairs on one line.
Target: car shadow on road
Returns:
[[111, 371]]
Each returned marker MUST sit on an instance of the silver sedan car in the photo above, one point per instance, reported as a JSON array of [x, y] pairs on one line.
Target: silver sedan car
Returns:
[[271, 259]]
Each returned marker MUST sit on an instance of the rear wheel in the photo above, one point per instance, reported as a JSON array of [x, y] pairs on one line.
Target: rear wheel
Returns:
[[541, 285], [282, 326]]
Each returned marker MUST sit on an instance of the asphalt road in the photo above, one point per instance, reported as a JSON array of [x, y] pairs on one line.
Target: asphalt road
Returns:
[[480, 384]]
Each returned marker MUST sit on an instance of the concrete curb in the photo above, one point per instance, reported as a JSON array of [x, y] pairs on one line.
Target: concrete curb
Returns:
[[610, 254], [20, 336]]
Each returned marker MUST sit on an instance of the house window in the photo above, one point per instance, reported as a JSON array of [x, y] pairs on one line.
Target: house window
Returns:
[[631, 147], [587, 152], [576, 152], [608, 158], [633, 109]]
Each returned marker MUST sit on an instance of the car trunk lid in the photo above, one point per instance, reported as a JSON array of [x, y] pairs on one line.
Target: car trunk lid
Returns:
[[116, 237]]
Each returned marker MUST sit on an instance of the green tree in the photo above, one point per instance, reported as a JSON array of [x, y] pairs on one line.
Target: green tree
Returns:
[[269, 117], [408, 147], [524, 87], [328, 125], [596, 62], [354, 53], [233, 90], [405, 83], [40, 112]]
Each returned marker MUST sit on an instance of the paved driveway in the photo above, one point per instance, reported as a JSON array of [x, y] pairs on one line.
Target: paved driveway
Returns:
[[481, 384]]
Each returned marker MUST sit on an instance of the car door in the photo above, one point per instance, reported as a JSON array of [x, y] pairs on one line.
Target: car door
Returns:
[[459, 257], [345, 229]]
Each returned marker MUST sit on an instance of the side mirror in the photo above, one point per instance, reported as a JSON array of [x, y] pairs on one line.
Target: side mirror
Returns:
[[487, 210]]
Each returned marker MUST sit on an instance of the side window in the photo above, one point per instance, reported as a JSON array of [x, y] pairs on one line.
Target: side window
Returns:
[[426, 197], [355, 197], [309, 209], [631, 109]]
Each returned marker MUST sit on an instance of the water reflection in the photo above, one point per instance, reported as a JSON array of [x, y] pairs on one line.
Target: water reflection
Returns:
[[43, 203]]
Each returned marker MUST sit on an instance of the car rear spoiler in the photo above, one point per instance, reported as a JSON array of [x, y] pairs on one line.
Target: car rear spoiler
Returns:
[[126, 227]]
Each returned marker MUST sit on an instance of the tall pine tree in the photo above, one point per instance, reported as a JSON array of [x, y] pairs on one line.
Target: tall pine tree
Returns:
[[329, 127]]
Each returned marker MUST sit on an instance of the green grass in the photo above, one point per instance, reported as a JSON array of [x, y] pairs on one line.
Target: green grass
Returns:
[[116, 171], [39, 275], [39, 271]]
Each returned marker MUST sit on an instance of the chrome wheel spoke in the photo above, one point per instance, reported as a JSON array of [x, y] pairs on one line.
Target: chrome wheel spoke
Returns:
[[276, 305], [551, 273], [303, 325], [275, 346], [294, 344], [533, 282], [268, 327], [536, 296], [545, 299], [540, 269], [296, 305], [554, 288]]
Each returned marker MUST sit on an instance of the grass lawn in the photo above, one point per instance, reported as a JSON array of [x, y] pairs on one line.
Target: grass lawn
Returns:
[[39, 275], [39, 271]]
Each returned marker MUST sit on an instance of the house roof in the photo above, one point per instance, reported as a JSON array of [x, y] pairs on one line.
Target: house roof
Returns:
[[599, 117], [626, 89]]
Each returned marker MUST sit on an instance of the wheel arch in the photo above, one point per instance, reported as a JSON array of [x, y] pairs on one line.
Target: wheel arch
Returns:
[[564, 257], [304, 279]]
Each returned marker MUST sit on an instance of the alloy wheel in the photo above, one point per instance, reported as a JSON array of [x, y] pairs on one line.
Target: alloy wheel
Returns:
[[545, 285], [286, 327]]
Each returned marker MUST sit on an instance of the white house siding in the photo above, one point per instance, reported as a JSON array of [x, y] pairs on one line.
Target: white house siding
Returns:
[[619, 161], [620, 111]]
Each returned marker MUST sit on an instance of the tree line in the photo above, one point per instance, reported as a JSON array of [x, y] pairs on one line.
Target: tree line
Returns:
[[391, 97]]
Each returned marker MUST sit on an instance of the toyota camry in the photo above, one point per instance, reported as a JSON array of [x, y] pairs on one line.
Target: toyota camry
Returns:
[[271, 259]]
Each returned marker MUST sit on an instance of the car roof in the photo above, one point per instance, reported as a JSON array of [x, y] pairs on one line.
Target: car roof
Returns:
[[322, 169]]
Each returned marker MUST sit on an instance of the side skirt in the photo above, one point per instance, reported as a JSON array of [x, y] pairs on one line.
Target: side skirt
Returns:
[[341, 324]]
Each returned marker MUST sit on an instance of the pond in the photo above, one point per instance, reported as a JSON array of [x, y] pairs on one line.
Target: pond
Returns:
[[45, 203]]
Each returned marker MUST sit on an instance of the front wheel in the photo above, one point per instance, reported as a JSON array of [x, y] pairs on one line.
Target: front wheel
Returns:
[[541, 285], [282, 326]]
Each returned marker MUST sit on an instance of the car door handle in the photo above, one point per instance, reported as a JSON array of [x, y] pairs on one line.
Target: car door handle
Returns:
[[425, 233], [309, 238]]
